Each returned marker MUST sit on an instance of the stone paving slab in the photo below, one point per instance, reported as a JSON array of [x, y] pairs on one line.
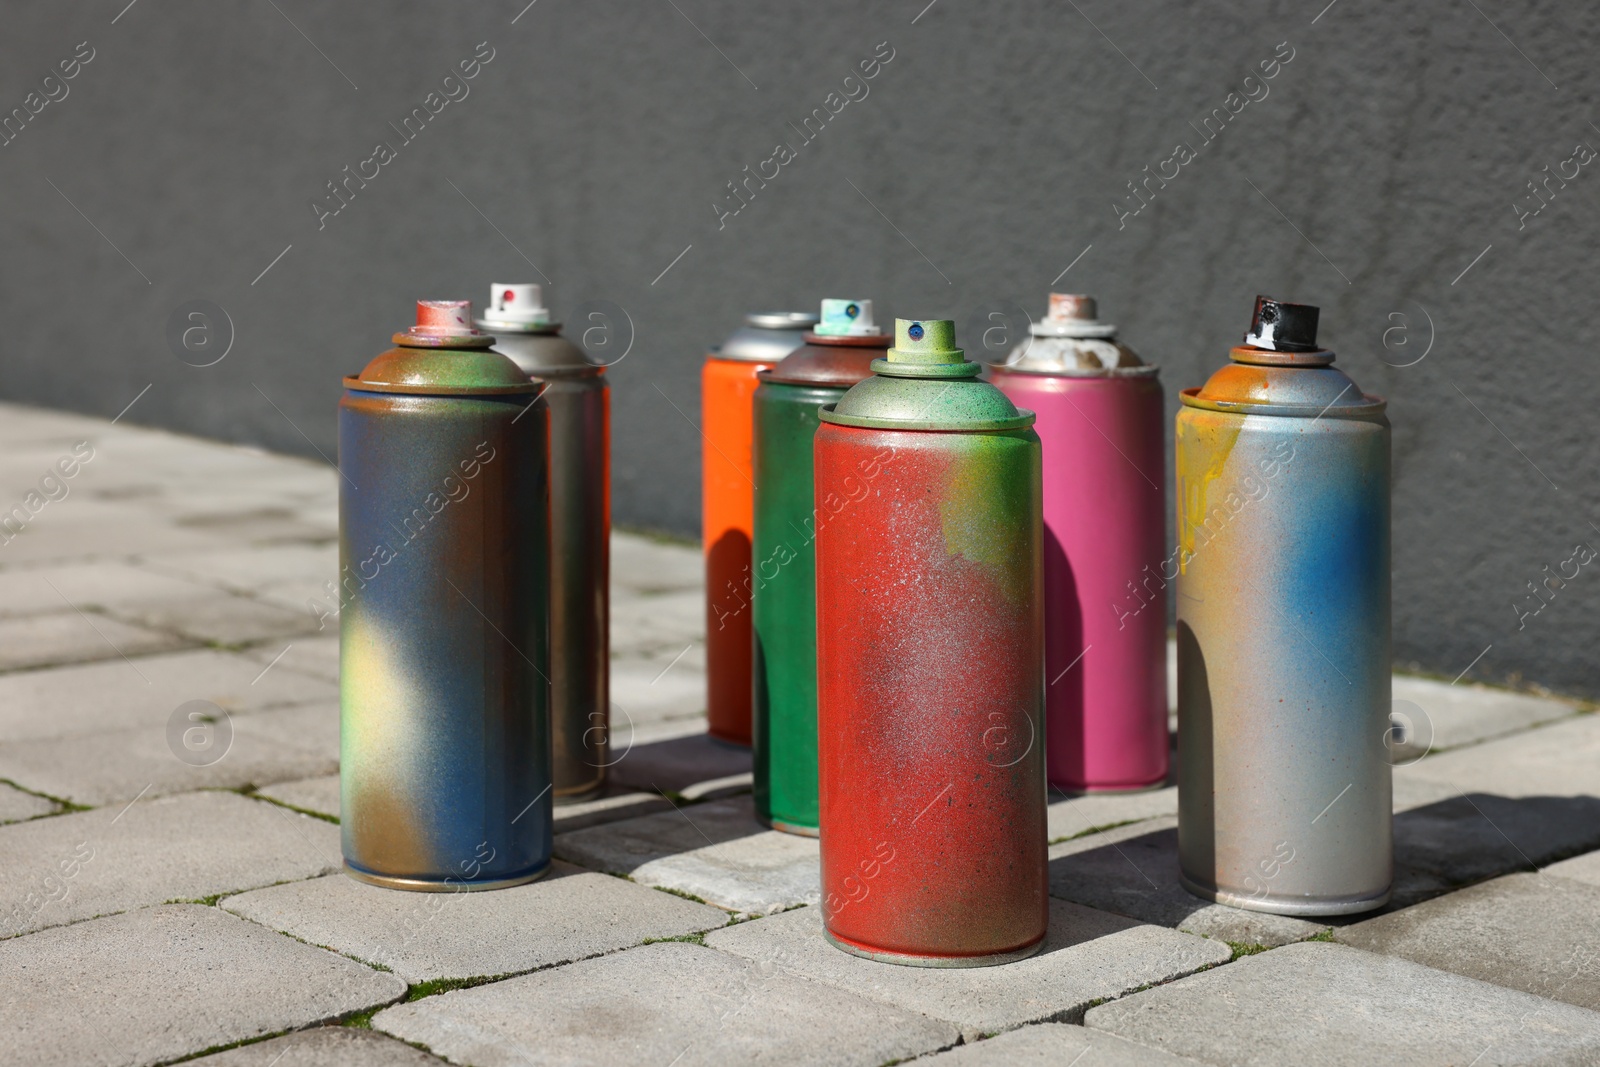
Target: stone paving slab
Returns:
[[69, 636], [78, 528], [680, 764], [1584, 868], [1089, 956], [649, 565], [17, 805], [1462, 714], [716, 851], [311, 728], [71, 867], [1561, 759], [615, 802], [100, 584], [1133, 871], [1439, 846], [321, 795], [74, 701], [325, 1046], [316, 654], [567, 915], [650, 690], [1321, 1005], [1053, 1045], [222, 618], [250, 570], [666, 623], [1533, 932], [118, 765], [1074, 816], [163, 982], [663, 1004], [1468, 838]]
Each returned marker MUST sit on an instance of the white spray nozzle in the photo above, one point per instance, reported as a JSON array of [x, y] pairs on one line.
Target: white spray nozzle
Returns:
[[520, 303], [847, 318]]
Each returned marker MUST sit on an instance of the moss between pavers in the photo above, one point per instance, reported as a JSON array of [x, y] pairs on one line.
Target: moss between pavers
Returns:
[[214, 1049], [692, 939], [250, 791], [67, 806], [447, 985], [679, 893], [1246, 948]]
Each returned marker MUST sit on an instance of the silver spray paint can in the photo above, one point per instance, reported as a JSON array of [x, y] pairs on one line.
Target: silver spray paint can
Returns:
[[579, 399], [1284, 795]]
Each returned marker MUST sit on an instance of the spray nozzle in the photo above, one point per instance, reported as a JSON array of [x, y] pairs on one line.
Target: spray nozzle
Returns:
[[443, 324], [1280, 327], [517, 304], [847, 318], [925, 341]]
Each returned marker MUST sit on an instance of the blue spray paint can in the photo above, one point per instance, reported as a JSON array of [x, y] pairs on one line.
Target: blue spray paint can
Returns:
[[444, 658], [1283, 629]]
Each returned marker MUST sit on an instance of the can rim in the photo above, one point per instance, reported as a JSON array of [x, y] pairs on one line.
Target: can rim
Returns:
[[1021, 421], [354, 384], [1374, 406], [1146, 370]]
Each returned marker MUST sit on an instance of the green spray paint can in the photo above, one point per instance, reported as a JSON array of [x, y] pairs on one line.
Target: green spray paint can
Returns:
[[783, 596]]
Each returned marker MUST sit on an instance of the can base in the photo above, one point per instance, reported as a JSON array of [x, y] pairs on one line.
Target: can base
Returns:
[[455, 885], [729, 742], [578, 794], [1285, 905], [993, 959], [1072, 790], [798, 829]]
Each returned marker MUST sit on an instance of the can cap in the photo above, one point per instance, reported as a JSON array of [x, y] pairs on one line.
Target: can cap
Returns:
[[847, 318], [834, 359], [906, 391], [516, 304], [1279, 370], [780, 320], [1280, 327], [1071, 341], [444, 324], [766, 336], [1073, 315], [927, 348]]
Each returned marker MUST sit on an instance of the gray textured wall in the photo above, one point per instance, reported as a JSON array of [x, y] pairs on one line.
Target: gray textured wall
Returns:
[[1387, 155]]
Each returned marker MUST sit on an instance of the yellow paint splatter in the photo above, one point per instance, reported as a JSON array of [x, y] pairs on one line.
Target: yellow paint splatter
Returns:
[[990, 486], [1205, 441]]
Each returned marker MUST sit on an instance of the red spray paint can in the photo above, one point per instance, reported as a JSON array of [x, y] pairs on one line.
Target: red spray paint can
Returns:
[[1101, 421], [930, 663]]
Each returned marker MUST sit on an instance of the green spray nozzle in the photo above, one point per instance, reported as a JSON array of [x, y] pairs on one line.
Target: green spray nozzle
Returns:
[[926, 341]]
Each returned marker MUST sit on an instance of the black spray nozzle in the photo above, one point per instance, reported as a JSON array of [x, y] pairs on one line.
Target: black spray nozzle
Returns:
[[1280, 327]]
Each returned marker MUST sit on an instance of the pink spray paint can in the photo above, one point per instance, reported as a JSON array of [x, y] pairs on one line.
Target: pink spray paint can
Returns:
[[1101, 420]]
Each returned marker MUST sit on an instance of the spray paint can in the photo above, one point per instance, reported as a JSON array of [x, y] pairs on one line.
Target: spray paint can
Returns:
[[579, 400], [784, 600], [1100, 419], [727, 391], [444, 519], [930, 663], [1283, 629]]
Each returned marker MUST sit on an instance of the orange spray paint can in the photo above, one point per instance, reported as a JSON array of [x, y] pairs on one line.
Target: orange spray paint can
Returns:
[[727, 391]]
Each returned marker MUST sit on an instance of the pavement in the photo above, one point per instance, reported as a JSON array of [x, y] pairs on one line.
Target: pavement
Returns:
[[169, 742]]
